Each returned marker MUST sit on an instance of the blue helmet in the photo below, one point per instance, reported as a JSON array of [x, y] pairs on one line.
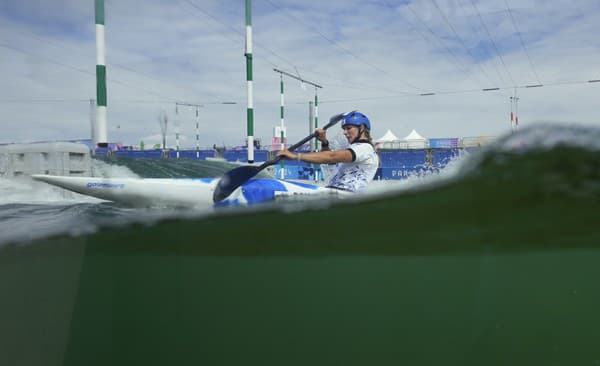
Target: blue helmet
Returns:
[[356, 119]]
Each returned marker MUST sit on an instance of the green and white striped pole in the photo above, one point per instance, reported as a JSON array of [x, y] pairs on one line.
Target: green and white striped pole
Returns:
[[317, 117], [101, 139], [248, 54], [177, 130], [311, 110], [177, 138], [282, 133], [317, 167]]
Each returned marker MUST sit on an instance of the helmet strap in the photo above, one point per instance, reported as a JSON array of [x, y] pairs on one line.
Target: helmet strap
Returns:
[[359, 134]]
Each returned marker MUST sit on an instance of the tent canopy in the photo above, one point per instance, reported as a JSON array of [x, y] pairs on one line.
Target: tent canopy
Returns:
[[414, 136], [389, 136]]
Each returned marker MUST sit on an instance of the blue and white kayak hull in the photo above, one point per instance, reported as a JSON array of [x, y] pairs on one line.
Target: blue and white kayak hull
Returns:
[[176, 191]]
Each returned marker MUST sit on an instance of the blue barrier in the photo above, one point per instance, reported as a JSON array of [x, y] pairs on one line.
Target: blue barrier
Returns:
[[405, 172], [441, 157], [443, 143], [102, 151], [149, 154], [242, 155], [402, 158], [308, 173], [192, 154], [394, 164]]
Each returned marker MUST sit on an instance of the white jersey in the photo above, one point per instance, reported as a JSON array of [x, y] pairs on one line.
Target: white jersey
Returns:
[[356, 175]]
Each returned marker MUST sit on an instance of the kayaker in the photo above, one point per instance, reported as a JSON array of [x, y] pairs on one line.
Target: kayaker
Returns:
[[353, 168]]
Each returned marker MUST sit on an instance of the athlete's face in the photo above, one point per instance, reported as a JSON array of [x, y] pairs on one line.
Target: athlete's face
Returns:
[[351, 132]]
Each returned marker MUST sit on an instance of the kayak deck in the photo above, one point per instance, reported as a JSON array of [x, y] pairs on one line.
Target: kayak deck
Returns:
[[178, 191]]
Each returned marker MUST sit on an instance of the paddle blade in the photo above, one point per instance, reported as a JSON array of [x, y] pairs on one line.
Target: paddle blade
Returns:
[[232, 180]]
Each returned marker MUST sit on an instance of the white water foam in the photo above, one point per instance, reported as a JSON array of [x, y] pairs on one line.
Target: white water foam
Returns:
[[103, 170], [549, 136], [24, 190], [426, 180]]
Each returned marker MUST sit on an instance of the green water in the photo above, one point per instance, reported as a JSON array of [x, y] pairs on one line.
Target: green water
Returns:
[[499, 267], [119, 307]]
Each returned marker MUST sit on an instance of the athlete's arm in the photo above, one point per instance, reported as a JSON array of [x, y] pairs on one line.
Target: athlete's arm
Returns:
[[326, 157]]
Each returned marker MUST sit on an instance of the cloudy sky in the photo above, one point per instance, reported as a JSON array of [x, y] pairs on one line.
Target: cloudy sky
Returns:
[[377, 56]]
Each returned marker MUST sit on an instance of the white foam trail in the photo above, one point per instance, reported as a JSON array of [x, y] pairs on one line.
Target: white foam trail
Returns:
[[24, 190], [105, 170], [420, 181]]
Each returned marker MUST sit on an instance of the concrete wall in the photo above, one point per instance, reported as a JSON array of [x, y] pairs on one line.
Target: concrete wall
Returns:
[[56, 158]]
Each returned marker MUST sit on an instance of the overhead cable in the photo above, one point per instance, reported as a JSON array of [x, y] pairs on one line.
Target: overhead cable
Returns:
[[457, 62], [335, 44], [462, 42], [73, 50], [475, 32], [259, 45], [521, 39], [493, 42], [464, 91]]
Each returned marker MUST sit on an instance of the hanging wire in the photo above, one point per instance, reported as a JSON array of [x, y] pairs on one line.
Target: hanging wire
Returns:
[[337, 45], [476, 31], [449, 51], [487, 31], [512, 18], [462, 42], [74, 50], [236, 31]]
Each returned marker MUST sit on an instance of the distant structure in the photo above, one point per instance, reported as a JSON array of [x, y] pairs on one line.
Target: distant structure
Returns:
[[55, 158], [514, 112], [414, 141], [163, 121]]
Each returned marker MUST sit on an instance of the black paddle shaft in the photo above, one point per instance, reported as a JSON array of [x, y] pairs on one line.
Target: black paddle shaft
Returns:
[[332, 121], [238, 176]]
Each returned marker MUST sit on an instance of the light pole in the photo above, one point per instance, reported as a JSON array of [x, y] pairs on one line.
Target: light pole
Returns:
[[316, 101], [197, 106], [514, 116]]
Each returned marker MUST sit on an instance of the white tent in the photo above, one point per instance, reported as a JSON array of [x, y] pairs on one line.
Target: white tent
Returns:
[[389, 136], [415, 141], [387, 141]]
